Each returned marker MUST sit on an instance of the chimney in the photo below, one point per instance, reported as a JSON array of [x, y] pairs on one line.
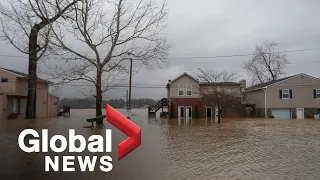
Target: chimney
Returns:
[[243, 83], [168, 84], [168, 93]]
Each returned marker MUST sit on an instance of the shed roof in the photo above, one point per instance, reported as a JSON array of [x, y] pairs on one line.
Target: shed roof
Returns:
[[23, 75]]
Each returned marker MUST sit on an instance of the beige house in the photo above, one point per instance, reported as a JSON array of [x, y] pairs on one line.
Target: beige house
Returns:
[[13, 95], [296, 96]]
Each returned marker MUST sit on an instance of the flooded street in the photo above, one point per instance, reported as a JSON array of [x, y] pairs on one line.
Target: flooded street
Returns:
[[172, 149]]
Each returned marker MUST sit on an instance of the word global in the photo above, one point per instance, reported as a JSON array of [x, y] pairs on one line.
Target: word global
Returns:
[[95, 144]]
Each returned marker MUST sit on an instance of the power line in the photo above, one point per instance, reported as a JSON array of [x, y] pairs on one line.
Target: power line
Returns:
[[164, 86], [161, 86], [312, 62], [252, 48], [241, 55], [116, 86], [196, 57], [121, 85], [3, 55]]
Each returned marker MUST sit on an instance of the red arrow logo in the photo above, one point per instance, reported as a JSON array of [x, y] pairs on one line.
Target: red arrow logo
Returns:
[[126, 126]]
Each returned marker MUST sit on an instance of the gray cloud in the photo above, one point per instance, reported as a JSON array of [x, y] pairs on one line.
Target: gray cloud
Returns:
[[221, 27]]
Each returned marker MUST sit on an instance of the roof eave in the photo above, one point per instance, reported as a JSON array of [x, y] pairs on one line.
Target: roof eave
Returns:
[[39, 80], [8, 71], [205, 83], [186, 75], [251, 90]]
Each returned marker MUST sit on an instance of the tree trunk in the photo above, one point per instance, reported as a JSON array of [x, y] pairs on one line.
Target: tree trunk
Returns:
[[32, 78], [98, 95], [219, 114]]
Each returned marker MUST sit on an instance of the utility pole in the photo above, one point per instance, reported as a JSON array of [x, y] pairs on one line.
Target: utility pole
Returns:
[[130, 84], [127, 103]]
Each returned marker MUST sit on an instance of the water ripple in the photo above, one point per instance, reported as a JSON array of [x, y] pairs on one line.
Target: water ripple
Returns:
[[181, 150]]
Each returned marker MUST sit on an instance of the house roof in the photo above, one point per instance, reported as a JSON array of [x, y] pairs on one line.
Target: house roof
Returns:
[[184, 74], [23, 75], [203, 83], [260, 86], [225, 83], [53, 95]]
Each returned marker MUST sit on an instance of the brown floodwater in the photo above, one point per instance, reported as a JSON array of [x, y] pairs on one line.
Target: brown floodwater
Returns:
[[177, 149]]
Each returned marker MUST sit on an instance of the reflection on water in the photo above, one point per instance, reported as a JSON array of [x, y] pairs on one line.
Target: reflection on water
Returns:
[[180, 149]]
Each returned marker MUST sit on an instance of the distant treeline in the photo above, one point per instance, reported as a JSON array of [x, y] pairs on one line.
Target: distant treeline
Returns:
[[76, 103]]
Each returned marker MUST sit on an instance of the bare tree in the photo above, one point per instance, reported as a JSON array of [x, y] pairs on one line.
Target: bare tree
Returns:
[[266, 64], [106, 36], [26, 24], [219, 90]]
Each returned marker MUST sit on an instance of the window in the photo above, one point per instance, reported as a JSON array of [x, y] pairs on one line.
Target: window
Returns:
[[317, 93], [189, 90], [285, 94], [181, 89], [4, 80]]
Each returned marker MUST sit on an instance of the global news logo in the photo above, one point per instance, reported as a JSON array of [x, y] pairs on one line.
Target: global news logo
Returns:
[[94, 144]]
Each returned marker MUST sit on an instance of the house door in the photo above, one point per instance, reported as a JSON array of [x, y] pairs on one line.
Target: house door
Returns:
[[209, 112], [16, 106], [188, 112], [23, 106], [181, 112], [300, 113]]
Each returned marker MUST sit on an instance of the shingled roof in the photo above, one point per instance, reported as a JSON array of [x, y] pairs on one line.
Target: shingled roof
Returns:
[[185, 74], [24, 75], [260, 86], [201, 82], [221, 83]]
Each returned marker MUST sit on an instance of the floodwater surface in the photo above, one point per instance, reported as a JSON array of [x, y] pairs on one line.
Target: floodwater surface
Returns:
[[177, 149]]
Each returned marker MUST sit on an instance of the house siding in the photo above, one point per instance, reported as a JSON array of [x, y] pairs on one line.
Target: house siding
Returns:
[[255, 97], [184, 80], [9, 86], [302, 93], [22, 86], [198, 100], [17, 87], [2, 109], [235, 90], [302, 87]]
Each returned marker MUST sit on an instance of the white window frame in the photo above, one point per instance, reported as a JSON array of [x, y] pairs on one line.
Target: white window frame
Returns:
[[285, 93], [183, 89], [318, 93], [188, 88]]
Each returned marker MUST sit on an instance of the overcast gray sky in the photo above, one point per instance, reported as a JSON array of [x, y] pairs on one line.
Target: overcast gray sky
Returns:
[[220, 27]]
